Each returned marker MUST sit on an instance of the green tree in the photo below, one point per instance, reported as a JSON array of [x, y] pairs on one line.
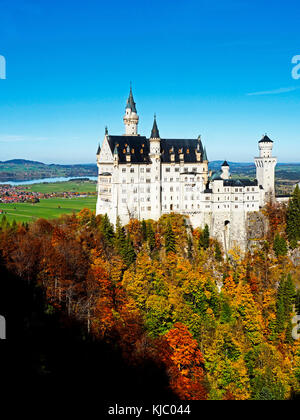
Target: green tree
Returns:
[[279, 246], [293, 218], [128, 252], [204, 238], [150, 236], [170, 241], [120, 237], [144, 230], [107, 229]]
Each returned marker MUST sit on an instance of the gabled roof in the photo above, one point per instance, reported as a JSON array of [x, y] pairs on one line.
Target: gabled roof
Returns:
[[240, 183], [187, 147], [266, 139], [138, 147]]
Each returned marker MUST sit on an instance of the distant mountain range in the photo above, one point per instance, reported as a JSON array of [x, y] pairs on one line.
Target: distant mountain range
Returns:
[[26, 170]]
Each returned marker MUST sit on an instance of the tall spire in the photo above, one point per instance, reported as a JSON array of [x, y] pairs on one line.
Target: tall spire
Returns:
[[130, 101], [154, 132], [130, 118]]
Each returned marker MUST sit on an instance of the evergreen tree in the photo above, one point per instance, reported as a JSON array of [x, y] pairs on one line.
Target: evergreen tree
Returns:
[[120, 237], [279, 246], [190, 247], [218, 252], [289, 296], [150, 236], [107, 229], [128, 252], [293, 218], [14, 225], [170, 241], [204, 238], [144, 230], [284, 304]]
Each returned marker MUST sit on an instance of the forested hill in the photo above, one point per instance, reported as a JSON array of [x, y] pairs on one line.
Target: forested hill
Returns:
[[152, 309], [287, 174], [26, 170]]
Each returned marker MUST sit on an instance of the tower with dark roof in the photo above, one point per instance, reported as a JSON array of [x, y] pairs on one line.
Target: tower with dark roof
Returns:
[[265, 168], [225, 170], [155, 140], [131, 118]]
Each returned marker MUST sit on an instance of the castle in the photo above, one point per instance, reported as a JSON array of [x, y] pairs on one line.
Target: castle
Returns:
[[143, 178]]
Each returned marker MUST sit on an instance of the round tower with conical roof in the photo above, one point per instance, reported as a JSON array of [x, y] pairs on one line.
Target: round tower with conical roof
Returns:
[[131, 118]]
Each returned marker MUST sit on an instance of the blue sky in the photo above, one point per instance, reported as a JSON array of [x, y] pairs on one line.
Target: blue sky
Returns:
[[221, 69]]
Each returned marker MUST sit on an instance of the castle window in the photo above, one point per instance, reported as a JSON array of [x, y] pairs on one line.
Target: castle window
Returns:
[[148, 170], [123, 169], [149, 208], [142, 170], [131, 170], [132, 150], [167, 169], [236, 198], [176, 169], [142, 151], [148, 180]]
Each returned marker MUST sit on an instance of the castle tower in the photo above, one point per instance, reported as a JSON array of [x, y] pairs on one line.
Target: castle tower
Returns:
[[225, 170], [155, 140], [265, 168], [155, 156], [131, 118]]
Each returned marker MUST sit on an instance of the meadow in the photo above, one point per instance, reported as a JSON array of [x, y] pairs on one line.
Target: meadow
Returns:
[[67, 186], [46, 208]]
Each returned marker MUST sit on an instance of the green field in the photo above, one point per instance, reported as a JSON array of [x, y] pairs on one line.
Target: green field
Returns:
[[71, 186], [48, 209]]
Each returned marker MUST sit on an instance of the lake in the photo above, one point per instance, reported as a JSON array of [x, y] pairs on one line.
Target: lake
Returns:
[[48, 180]]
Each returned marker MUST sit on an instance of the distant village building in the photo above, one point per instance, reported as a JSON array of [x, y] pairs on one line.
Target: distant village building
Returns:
[[143, 178]]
